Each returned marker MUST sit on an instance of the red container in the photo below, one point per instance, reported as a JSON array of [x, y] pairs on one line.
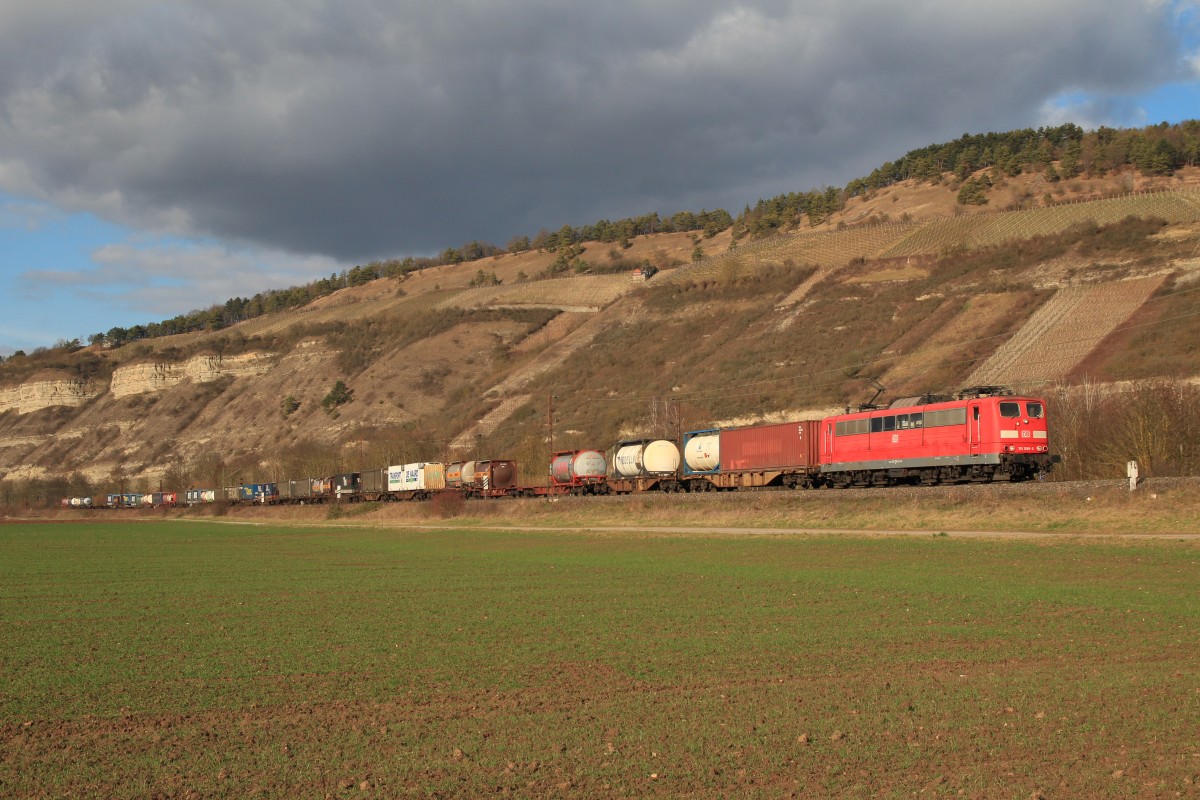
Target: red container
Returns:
[[766, 447]]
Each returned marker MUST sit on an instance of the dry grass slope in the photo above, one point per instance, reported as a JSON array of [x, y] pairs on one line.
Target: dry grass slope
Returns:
[[829, 249], [980, 230], [580, 293], [488, 424], [938, 353]]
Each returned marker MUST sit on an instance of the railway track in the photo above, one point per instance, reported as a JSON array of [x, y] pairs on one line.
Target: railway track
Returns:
[[1001, 489]]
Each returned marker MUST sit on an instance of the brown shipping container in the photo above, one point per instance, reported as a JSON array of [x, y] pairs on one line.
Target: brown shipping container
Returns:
[[764, 447]]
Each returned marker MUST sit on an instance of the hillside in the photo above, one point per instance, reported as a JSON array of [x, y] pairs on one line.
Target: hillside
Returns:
[[902, 285]]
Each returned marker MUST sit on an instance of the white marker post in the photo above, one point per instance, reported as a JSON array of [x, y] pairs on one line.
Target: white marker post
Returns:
[[1131, 469]]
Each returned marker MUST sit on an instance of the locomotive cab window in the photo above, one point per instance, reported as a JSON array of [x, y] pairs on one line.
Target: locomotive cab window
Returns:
[[1010, 410], [1034, 410]]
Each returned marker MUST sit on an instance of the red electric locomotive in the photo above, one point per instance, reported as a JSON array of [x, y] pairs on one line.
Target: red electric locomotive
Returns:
[[981, 434]]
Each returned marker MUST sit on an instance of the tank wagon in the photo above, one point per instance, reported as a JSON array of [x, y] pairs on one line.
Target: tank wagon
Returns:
[[76, 502], [644, 465], [496, 478], [579, 472]]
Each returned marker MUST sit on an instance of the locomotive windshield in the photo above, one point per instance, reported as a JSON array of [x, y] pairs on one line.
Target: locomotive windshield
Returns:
[[1034, 410], [1010, 409]]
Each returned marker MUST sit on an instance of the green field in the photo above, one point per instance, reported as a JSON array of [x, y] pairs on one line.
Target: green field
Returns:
[[198, 659]]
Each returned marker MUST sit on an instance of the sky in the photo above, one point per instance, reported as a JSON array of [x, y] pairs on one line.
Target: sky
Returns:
[[159, 157]]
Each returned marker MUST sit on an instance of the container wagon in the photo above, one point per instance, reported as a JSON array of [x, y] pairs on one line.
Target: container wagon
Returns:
[[417, 481], [643, 465], [783, 454], [495, 478], [579, 472]]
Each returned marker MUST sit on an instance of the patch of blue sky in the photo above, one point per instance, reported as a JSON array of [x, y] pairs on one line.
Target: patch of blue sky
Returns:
[[61, 279], [1171, 103]]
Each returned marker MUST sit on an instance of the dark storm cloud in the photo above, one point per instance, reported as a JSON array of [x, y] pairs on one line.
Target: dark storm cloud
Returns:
[[356, 129]]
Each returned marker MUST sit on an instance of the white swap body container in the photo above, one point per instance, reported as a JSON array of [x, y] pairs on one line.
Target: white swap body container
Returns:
[[417, 477]]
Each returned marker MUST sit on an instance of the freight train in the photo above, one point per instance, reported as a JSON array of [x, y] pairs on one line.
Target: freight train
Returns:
[[981, 434]]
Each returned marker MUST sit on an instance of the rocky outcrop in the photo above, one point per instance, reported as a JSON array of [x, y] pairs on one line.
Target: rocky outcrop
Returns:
[[155, 377], [133, 379], [141, 378], [203, 369], [36, 395]]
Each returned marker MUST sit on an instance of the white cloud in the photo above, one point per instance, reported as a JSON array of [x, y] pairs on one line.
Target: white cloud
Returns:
[[27, 216], [164, 279]]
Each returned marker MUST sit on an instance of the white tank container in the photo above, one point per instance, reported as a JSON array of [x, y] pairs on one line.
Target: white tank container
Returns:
[[589, 464], [703, 453], [581, 465], [468, 473], [657, 457]]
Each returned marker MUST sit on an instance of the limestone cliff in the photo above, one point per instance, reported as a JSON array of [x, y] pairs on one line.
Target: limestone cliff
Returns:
[[39, 394], [157, 376]]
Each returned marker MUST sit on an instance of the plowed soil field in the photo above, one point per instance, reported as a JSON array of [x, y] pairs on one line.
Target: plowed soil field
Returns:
[[197, 659]]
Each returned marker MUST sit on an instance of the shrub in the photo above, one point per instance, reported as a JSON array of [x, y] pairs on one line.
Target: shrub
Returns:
[[339, 395], [446, 505], [1155, 422], [289, 405]]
